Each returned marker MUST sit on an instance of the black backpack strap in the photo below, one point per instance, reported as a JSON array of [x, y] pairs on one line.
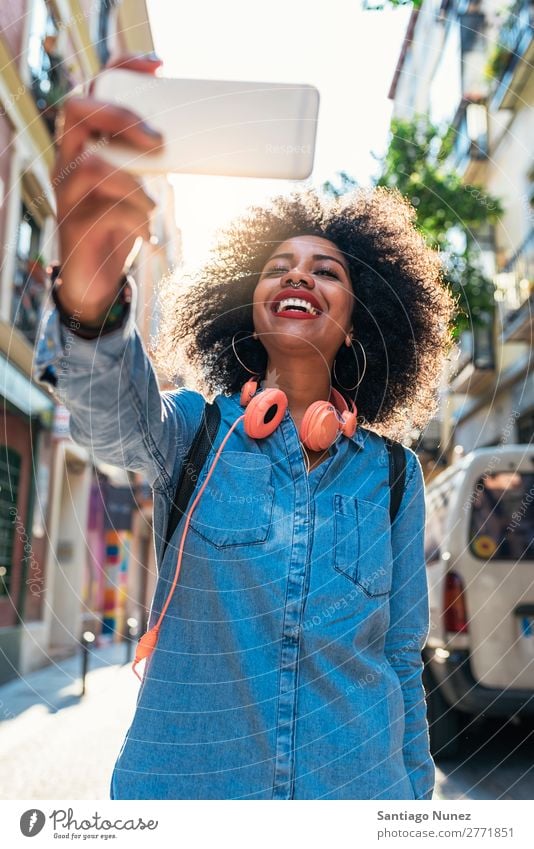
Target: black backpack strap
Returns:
[[192, 466], [397, 474]]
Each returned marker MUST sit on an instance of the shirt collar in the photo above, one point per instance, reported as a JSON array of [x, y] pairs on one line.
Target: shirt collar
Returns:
[[358, 437]]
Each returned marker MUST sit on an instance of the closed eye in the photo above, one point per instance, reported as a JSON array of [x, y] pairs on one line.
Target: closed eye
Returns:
[[280, 270], [275, 271], [328, 272]]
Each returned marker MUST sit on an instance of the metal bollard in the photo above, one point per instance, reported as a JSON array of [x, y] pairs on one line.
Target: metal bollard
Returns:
[[130, 634], [87, 640]]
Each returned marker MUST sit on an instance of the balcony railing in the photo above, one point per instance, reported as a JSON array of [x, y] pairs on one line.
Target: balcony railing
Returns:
[[514, 49], [515, 284]]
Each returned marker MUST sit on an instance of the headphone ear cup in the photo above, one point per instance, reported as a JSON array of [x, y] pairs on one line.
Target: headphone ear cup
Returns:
[[264, 413], [248, 390], [320, 426], [348, 428]]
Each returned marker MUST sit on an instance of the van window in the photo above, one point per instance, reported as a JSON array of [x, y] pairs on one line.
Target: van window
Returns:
[[435, 527], [502, 517]]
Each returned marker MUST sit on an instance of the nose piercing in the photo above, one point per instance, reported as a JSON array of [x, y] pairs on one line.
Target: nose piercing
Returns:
[[296, 285]]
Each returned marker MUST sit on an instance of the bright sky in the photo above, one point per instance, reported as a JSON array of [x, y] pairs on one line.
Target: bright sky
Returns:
[[348, 54]]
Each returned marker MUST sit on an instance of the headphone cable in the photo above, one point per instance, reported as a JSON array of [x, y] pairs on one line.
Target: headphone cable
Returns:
[[148, 641]]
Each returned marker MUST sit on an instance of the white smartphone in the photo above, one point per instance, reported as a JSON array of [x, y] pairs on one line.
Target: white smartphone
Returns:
[[219, 127]]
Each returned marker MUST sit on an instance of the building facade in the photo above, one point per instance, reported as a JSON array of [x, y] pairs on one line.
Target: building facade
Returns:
[[467, 64], [67, 522]]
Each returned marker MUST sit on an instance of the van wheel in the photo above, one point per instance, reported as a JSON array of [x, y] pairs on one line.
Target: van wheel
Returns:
[[444, 724]]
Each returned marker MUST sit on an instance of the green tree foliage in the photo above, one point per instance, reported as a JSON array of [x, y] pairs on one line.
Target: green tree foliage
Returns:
[[347, 183], [371, 6], [450, 213]]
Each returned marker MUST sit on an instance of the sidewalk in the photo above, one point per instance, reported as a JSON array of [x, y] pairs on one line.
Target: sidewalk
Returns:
[[57, 744]]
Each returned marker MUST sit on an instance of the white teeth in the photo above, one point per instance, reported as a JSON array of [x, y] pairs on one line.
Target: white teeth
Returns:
[[296, 302]]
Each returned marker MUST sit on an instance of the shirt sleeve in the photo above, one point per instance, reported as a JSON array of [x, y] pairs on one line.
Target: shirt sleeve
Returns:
[[110, 388], [410, 624]]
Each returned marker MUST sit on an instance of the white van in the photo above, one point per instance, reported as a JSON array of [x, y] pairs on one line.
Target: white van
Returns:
[[479, 550]]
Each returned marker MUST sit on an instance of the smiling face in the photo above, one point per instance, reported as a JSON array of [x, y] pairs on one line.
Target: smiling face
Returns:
[[303, 300]]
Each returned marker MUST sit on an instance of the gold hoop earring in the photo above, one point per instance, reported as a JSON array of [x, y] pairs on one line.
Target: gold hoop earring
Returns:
[[238, 358], [350, 388]]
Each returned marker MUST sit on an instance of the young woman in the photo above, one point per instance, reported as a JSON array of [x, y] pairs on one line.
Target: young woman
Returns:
[[286, 659]]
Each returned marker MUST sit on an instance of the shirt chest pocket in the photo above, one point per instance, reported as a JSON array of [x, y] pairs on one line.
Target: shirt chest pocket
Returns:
[[237, 503], [362, 544]]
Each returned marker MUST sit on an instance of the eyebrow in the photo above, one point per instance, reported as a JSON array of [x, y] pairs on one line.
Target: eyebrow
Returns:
[[315, 256]]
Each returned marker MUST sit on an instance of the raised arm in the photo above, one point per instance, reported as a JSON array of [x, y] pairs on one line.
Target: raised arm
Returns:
[[101, 209], [111, 391], [107, 382]]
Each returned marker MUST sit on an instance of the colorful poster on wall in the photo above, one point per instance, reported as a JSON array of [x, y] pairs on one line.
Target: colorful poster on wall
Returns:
[[118, 544]]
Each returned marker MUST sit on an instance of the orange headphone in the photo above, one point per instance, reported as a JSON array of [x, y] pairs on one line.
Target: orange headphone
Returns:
[[323, 421]]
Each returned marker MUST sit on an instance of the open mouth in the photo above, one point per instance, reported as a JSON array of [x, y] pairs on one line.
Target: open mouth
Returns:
[[287, 305]]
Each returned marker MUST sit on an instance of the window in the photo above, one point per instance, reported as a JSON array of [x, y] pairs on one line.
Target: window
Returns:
[[445, 91], [435, 527], [29, 238], [9, 487], [42, 24], [502, 517], [50, 80], [103, 29], [525, 428], [30, 283]]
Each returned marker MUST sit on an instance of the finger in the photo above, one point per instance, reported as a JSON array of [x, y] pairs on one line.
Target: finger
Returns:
[[84, 117], [120, 217], [148, 63], [96, 178], [144, 63]]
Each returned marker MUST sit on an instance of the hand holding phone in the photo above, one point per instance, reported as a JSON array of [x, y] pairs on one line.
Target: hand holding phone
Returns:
[[219, 127], [101, 210]]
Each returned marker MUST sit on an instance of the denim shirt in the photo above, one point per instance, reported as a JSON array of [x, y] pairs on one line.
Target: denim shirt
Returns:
[[289, 661]]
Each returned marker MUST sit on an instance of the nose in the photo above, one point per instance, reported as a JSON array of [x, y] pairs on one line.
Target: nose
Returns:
[[296, 278]]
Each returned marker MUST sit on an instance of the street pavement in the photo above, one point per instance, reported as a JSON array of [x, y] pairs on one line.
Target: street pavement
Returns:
[[57, 744]]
